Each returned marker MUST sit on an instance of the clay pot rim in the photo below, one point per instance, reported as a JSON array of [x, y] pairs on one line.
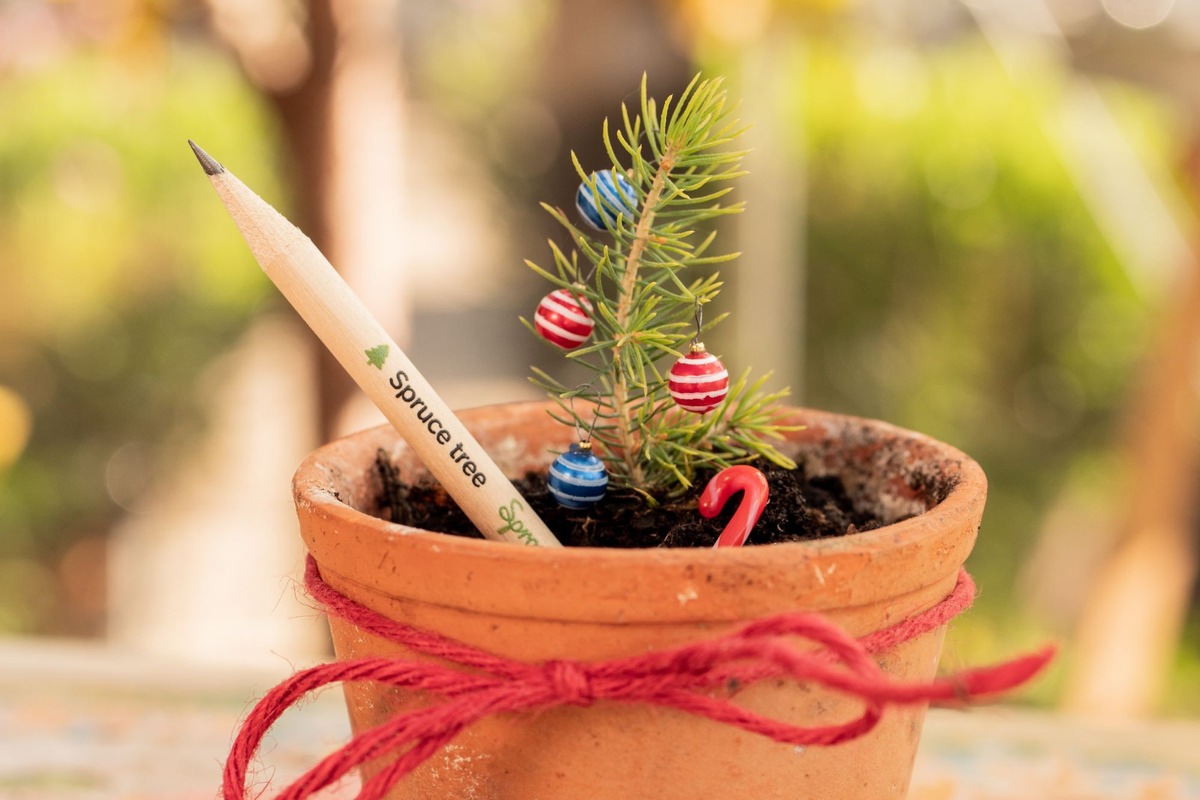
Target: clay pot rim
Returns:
[[965, 498]]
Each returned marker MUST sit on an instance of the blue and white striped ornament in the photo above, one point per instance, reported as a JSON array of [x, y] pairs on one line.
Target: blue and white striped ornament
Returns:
[[617, 196], [578, 478]]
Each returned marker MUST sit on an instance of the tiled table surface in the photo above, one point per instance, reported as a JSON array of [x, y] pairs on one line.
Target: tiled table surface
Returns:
[[81, 722]]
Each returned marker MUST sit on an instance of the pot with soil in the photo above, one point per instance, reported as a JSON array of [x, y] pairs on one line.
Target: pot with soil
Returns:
[[913, 507]]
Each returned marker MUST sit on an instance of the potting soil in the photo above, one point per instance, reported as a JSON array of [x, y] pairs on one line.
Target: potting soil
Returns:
[[800, 508]]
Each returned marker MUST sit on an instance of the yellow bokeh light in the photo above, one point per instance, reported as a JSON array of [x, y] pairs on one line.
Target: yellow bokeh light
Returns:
[[16, 423]]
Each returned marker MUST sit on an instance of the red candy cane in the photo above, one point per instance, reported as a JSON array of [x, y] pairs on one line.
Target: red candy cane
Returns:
[[724, 485]]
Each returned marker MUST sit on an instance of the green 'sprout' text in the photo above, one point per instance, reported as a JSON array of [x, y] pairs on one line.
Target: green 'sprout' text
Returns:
[[509, 515]]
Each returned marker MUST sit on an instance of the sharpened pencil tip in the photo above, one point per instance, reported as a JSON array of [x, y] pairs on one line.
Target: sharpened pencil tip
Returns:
[[210, 164]]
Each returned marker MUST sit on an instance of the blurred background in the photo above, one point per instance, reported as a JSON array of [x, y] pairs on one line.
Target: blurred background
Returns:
[[975, 219]]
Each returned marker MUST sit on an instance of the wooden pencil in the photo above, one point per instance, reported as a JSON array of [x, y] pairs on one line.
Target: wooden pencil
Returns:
[[378, 365]]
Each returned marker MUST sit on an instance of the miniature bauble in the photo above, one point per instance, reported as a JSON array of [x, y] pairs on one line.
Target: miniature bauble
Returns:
[[578, 478], [698, 382], [617, 196], [564, 318]]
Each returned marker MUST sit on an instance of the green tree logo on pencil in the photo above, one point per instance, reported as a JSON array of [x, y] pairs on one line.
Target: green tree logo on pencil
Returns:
[[377, 355]]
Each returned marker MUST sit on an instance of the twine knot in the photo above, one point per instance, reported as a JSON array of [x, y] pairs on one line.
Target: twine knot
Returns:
[[475, 684], [570, 682]]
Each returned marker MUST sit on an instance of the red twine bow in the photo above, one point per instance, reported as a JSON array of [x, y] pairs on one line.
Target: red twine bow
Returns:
[[676, 678]]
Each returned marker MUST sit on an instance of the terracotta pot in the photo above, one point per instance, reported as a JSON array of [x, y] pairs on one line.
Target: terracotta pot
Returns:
[[536, 604]]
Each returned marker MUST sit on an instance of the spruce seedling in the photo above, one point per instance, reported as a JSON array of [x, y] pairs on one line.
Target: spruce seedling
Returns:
[[644, 282]]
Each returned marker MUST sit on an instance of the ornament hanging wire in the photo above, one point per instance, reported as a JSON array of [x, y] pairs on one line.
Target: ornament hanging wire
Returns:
[[585, 441], [586, 279]]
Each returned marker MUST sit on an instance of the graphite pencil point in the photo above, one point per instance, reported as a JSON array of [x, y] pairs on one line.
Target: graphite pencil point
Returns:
[[210, 164]]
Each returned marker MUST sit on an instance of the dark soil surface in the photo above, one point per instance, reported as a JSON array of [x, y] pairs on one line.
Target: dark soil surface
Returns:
[[800, 508]]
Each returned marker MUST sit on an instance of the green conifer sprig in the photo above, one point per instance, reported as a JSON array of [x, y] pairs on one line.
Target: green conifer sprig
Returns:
[[646, 300]]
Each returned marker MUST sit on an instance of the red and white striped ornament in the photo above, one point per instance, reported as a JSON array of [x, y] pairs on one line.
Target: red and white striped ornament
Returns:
[[564, 318], [698, 382]]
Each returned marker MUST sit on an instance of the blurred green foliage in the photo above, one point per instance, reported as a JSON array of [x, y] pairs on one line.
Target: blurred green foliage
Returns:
[[958, 284], [123, 279]]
